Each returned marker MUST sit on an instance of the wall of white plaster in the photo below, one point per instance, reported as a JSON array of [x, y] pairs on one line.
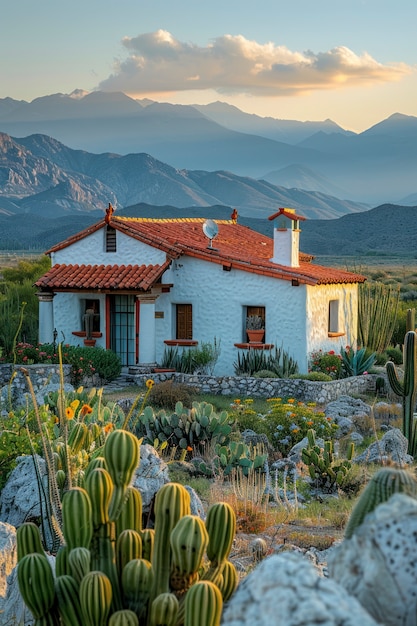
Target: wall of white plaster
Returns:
[[318, 299], [296, 317], [91, 251]]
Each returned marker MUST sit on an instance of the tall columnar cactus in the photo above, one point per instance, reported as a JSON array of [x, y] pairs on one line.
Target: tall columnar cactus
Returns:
[[137, 582], [36, 585], [407, 389], [123, 618], [68, 602], [189, 540], [77, 518], [96, 599], [164, 610], [172, 502], [383, 484], [221, 527], [28, 539], [122, 454], [203, 605], [116, 574]]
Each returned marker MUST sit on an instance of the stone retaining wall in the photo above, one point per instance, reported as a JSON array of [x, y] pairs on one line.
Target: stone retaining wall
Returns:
[[234, 386], [304, 390], [40, 376]]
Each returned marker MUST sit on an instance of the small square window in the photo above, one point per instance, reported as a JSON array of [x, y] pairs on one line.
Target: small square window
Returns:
[[333, 322]]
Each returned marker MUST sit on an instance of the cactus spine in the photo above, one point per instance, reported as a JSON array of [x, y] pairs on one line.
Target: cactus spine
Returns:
[[407, 389]]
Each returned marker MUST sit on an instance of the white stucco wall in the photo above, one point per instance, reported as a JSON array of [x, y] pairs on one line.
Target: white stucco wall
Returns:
[[68, 316], [318, 299], [219, 300], [91, 251], [296, 317]]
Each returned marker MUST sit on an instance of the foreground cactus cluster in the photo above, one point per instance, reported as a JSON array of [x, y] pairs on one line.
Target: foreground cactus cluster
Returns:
[[327, 471], [112, 572]]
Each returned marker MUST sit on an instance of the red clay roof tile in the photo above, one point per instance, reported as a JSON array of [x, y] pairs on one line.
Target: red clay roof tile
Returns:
[[235, 245], [102, 277]]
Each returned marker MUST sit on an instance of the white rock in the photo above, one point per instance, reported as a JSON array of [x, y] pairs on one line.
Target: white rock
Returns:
[[377, 564], [8, 557], [285, 589], [20, 495]]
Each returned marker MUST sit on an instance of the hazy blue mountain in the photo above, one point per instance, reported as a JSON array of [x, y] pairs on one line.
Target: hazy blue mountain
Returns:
[[288, 131], [38, 172], [375, 166]]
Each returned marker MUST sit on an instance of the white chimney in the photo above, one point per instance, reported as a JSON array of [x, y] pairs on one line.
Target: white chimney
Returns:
[[286, 237]]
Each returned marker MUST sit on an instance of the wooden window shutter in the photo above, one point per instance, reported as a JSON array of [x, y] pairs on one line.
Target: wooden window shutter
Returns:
[[184, 321], [110, 239]]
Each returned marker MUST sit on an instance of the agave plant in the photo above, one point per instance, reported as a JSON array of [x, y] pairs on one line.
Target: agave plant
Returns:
[[356, 362]]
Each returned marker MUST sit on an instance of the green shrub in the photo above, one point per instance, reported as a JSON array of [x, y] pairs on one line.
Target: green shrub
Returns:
[[313, 376], [395, 355], [85, 362], [286, 423], [265, 374], [199, 359], [249, 362], [167, 393], [328, 363]]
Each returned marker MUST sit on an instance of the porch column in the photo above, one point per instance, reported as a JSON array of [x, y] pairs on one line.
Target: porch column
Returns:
[[147, 348], [46, 316]]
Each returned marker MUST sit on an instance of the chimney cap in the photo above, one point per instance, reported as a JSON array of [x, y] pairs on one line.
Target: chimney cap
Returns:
[[286, 212]]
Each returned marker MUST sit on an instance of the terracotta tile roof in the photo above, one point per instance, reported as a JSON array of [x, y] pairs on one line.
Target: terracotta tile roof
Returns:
[[102, 277], [235, 246]]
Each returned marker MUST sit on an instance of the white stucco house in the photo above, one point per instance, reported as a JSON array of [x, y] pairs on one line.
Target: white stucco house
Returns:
[[153, 283]]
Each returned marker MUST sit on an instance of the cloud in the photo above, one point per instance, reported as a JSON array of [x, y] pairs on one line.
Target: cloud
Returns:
[[159, 63]]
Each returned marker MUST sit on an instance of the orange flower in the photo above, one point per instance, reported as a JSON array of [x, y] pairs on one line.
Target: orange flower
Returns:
[[85, 409], [290, 400], [69, 412], [108, 427]]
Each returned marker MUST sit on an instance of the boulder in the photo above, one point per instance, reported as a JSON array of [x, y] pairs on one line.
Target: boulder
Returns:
[[377, 564], [392, 448], [150, 476], [8, 557], [286, 589], [20, 495]]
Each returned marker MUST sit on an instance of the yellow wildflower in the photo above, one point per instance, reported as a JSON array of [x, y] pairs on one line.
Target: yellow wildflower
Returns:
[[150, 383], [69, 412], [74, 404]]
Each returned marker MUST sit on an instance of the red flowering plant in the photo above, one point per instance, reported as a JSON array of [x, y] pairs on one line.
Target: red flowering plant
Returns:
[[327, 362]]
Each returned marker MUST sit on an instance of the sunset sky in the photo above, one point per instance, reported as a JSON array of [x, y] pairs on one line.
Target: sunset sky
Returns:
[[354, 61]]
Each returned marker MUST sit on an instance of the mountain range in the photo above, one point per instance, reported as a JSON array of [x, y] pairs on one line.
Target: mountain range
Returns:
[[64, 158], [372, 167]]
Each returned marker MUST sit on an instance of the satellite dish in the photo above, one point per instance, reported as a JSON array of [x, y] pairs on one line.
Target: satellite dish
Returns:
[[211, 230]]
